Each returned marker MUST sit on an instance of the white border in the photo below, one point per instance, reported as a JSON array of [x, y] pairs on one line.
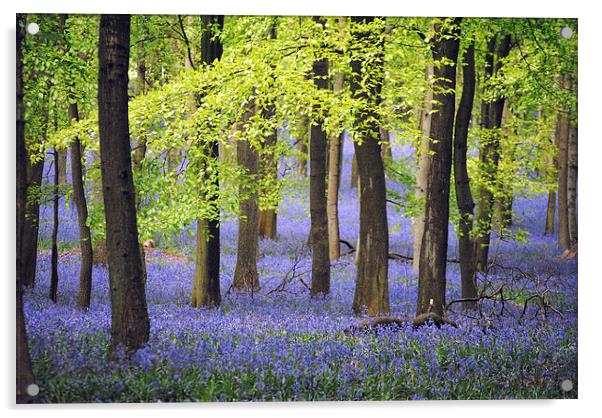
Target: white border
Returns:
[[589, 202]]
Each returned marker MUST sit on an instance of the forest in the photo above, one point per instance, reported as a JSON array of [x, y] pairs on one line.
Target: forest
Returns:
[[295, 208]]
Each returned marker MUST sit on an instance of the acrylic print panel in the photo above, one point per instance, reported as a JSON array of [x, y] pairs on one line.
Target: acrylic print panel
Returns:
[[181, 238]]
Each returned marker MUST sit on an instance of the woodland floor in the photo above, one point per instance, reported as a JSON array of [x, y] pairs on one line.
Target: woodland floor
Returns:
[[279, 345]]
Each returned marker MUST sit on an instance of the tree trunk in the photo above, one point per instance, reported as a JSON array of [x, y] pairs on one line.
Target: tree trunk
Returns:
[[463, 194], [269, 171], [355, 179], [54, 259], [130, 324], [32, 222], [564, 240], [246, 277], [320, 266], [504, 202], [551, 208], [433, 251], [206, 285], [302, 147], [62, 166], [491, 120], [385, 144], [572, 185], [423, 166], [372, 288], [335, 157], [24, 374], [79, 198], [550, 214]]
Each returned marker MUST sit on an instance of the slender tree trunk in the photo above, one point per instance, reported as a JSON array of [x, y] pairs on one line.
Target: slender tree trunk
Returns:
[[563, 130], [269, 173], [320, 266], [246, 277], [206, 285], [302, 145], [423, 166], [130, 324], [551, 208], [268, 164], [491, 120], [372, 287], [335, 157], [504, 202], [54, 274], [463, 194], [32, 222], [24, 374], [572, 185], [433, 251], [79, 198], [387, 152], [550, 214], [62, 166]]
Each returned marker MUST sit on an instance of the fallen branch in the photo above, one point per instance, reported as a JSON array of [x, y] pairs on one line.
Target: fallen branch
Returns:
[[391, 256], [381, 322]]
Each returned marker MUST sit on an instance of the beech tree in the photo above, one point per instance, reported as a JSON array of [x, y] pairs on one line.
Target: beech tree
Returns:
[[130, 324], [246, 277], [320, 270], [462, 181], [54, 255], [24, 374], [423, 165], [563, 129], [268, 163], [79, 198], [206, 285], [572, 184], [372, 289], [433, 252], [489, 154]]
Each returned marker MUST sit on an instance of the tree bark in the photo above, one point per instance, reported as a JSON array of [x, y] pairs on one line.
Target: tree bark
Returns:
[[551, 207], [269, 170], [355, 179], [550, 214], [130, 324], [32, 222], [572, 185], [504, 202], [385, 144], [79, 198], [320, 266], [24, 374], [564, 239], [423, 166], [62, 166], [372, 288], [246, 277], [433, 251], [302, 145], [206, 284], [463, 193], [491, 120], [335, 157], [54, 258]]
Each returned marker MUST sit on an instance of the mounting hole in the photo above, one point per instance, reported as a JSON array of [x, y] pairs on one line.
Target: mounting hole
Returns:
[[566, 385], [566, 32], [33, 28], [32, 389]]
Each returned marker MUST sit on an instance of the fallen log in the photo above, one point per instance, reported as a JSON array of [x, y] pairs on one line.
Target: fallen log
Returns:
[[379, 323]]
